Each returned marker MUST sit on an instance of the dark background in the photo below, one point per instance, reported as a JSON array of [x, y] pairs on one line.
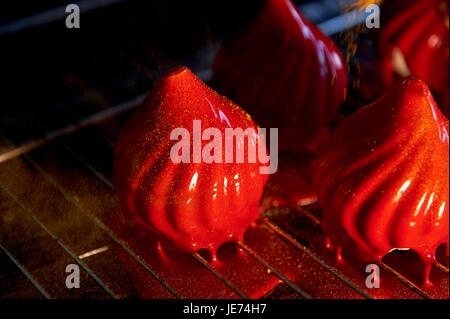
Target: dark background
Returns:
[[51, 62], [53, 76], [117, 53]]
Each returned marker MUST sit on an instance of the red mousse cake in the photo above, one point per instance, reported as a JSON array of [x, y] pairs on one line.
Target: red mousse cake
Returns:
[[286, 73], [192, 205], [382, 176]]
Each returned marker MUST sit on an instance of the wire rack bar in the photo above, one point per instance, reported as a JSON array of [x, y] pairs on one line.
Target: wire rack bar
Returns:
[[331, 269], [99, 223], [266, 265], [404, 280], [102, 226], [51, 15], [91, 168], [294, 205], [287, 237], [395, 273], [205, 263], [275, 228], [91, 120], [26, 273], [58, 241], [332, 26], [342, 22], [441, 267], [196, 255], [260, 260]]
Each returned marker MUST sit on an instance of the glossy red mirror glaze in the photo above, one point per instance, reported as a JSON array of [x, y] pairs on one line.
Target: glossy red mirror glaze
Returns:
[[193, 205], [382, 176], [286, 74], [416, 33]]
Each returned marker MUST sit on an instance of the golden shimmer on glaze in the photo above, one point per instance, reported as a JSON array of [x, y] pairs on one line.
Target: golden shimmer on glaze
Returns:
[[382, 178], [192, 205], [286, 73], [418, 31]]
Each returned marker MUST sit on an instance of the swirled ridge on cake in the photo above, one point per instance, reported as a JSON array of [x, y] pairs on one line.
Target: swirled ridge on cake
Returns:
[[414, 39], [286, 73], [192, 205], [382, 177]]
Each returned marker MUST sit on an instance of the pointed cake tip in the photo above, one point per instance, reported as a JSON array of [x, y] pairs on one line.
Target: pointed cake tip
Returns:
[[415, 85], [179, 70], [177, 74], [179, 84], [411, 100]]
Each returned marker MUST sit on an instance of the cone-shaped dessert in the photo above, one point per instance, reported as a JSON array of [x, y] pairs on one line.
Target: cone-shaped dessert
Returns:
[[382, 176], [414, 39], [286, 74], [193, 204]]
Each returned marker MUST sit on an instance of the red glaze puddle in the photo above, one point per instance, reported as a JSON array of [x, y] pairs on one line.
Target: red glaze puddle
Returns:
[[190, 279], [287, 187], [407, 263], [291, 184], [181, 271]]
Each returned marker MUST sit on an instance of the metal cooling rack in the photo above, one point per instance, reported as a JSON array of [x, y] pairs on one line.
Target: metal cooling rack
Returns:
[[56, 197]]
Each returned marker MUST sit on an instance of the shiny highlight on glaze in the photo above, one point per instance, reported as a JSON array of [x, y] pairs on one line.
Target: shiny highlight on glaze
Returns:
[[414, 40], [382, 178], [286, 73], [191, 205]]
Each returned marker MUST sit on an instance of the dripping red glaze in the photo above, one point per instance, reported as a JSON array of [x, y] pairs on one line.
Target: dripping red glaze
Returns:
[[286, 73], [382, 176], [414, 40], [192, 205]]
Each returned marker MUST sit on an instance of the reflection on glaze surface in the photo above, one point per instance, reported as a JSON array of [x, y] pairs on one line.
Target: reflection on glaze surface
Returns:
[[415, 40], [286, 73], [193, 205], [382, 176]]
